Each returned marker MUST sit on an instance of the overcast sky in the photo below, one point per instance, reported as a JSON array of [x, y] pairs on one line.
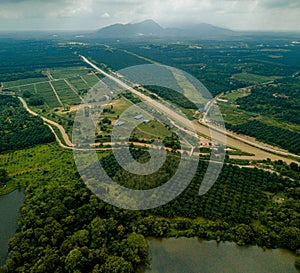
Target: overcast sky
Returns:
[[93, 14]]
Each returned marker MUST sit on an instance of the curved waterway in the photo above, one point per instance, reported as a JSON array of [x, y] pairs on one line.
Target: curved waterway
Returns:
[[191, 255], [9, 213]]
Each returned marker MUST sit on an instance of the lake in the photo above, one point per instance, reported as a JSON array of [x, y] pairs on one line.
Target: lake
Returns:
[[191, 255], [9, 213]]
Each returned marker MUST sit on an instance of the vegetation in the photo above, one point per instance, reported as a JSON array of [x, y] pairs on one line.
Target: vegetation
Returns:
[[3, 177], [65, 228], [283, 138], [19, 129], [172, 96], [24, 59]]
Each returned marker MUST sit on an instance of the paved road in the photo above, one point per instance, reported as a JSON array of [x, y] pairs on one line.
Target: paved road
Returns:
[[260, 151]]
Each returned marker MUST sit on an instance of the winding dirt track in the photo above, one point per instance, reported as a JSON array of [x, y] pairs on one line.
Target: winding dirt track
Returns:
[[50, 122], [258, 149]]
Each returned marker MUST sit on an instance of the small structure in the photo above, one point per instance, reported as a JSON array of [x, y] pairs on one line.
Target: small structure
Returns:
[[138, 117], [119, 123], [146, 121], [222, 100]]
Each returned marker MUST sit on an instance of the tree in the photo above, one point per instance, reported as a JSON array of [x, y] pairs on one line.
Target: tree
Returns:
[[135, 249], [290, 237], [74, 261], [115, 264], [3, 177], [297, 263]]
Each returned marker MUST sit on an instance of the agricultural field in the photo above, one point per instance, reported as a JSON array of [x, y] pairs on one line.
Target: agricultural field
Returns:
[[249, 78], [65, 93], [79, 85], [29, 81], [151, 130], [45, 91], [91, 79], [28, 88], [70, 72]]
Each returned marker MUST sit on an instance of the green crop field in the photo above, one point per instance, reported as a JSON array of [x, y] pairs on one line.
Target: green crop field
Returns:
[[234, 95], [91, 79], [65, 93], [79, 84], [46, 92], [69, 72], [233, 115], [152, 130], [28, 88], [23, 82], [253, 78]]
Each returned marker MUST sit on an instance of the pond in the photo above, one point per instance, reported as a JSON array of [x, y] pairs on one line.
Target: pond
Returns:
[[9, 213], [191, 255]]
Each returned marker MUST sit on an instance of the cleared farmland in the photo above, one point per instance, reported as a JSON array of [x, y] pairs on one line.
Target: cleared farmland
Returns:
[[65, 93], [46, 92], [91, 79], [69, 72], [24, 82], [79, 85]]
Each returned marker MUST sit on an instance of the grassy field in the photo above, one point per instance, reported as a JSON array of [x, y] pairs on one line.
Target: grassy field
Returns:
[[252, 78], [234, 95], [24, 82], [26, 165], [79, 84], [46, 92], [91, 79], [233, 115], [69, 72], [28, 88], [65, 93], [152, 130]]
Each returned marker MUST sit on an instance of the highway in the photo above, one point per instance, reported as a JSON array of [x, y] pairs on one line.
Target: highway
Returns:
[[259, 150]]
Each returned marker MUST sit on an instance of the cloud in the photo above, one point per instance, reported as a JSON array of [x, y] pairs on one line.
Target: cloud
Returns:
[[270, 4], [105, 15], [90, 14]]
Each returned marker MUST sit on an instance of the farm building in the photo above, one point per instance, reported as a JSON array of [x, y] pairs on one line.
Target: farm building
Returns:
[[138, 117]]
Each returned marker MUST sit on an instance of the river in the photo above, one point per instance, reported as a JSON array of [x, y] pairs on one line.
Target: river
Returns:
[[191, 255], [9, 213]]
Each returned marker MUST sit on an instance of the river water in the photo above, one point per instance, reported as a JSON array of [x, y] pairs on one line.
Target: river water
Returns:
[[191, 255], [9, 213], [182, 255]]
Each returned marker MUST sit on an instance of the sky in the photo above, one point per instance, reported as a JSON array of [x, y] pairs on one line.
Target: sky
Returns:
[[278, 15]]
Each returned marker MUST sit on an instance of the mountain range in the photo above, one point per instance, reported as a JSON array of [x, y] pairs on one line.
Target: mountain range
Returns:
[[150, 28]]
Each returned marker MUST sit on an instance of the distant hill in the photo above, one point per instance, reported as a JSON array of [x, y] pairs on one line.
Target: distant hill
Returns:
[[150, 28], [145, 28]]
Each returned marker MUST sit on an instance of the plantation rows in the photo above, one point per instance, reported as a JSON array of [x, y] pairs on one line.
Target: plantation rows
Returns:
[[65, 93], [283, 138], [45, 91], [237, 195]]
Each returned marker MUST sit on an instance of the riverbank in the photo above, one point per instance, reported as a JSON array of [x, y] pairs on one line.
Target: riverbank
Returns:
[[9, 213], [195, 255]]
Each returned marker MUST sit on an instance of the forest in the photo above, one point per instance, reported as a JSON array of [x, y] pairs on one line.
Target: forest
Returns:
[[172, 96], [215, 63], [274, 135], [26, 58], [280, 100], [275, 114], [66, 228], [18, 128]]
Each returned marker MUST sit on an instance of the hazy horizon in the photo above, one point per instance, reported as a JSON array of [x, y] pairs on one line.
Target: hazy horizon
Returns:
[[72, 15]]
